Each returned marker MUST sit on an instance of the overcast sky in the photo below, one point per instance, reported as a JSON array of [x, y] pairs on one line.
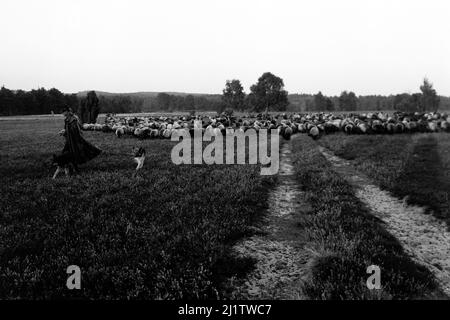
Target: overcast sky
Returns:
[[368, 46]]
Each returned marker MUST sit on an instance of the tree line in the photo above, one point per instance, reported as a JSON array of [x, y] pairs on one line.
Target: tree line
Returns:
[[40, 101], [267, 94], [425, 100]]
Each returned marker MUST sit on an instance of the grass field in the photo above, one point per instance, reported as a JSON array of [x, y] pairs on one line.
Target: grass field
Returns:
[[168, 233], [415, 167], [162, 235]]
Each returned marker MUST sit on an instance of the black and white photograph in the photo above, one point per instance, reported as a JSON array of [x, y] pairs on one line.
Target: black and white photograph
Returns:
[[224, 155]]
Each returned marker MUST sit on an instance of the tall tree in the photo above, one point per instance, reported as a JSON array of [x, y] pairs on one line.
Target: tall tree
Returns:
[[430, 99], [93, 106], [89, 108], [82, 114], [56, 100], [320, 102], [6, 102], [268, 93], [233, 95], [348, 101]]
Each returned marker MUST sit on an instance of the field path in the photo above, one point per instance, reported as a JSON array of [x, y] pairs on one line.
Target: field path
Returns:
[[281, 260], [423, 237]]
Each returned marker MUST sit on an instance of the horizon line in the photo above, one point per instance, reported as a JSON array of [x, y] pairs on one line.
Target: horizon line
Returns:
[[217, 93]]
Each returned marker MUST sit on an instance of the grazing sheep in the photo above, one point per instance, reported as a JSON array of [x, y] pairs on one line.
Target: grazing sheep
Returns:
[[120, 132], [390, 128], [314, 132], [399, 127], [432, 126], [168, 133], [313, 124], [349, 128], [377, 126], [287, 133]]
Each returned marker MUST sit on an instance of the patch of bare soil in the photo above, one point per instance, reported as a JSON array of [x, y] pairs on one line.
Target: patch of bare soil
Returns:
[[423, 236], [281, 259]]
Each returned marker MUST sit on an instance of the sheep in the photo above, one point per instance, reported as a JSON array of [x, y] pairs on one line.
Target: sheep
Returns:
[[287, 133], [314, 132], [313, 124], [432, 126], [119, 132], [390, 128]]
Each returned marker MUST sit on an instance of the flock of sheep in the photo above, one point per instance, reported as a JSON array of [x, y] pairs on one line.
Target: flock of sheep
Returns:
[[315, 124]]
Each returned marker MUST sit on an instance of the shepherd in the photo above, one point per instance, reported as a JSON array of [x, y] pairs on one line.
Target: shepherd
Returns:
[[76, 149]]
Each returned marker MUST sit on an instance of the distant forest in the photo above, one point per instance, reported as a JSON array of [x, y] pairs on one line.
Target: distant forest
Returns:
[[42, 101], [308, 102], [123, 103]]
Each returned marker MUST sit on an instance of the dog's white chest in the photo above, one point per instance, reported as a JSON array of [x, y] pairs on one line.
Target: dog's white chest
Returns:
[[140, 162]]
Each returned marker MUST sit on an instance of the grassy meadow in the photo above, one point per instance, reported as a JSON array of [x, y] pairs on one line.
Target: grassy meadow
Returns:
[[161, 235], [168, 233]]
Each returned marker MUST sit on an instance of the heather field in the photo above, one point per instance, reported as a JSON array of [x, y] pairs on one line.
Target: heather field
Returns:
[[219, 231], [161, 235]]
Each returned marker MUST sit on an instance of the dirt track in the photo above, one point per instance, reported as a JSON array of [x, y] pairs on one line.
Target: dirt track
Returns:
[[279, 251]]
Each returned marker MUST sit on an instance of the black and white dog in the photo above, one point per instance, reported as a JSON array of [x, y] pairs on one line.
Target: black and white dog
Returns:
[[63, 162], [139, 157]]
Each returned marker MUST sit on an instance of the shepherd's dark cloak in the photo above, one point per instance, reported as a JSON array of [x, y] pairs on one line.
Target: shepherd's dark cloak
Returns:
[[81, 150]]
